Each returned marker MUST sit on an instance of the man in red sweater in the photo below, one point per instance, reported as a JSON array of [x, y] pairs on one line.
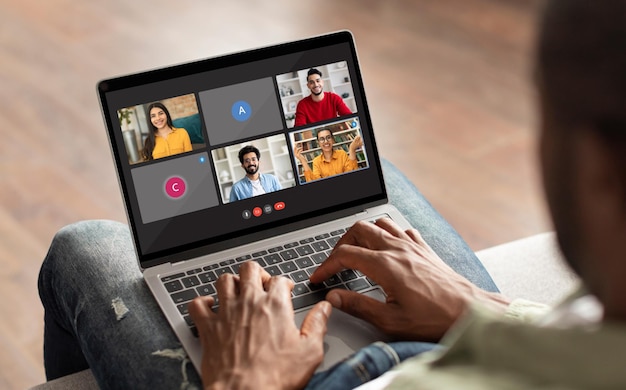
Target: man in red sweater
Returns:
[[319, 105]]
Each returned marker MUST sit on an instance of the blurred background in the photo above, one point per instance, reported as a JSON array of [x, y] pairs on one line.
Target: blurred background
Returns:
[[448, 82]]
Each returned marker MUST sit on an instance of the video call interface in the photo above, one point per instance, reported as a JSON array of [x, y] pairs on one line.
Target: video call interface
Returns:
[[209, 155]]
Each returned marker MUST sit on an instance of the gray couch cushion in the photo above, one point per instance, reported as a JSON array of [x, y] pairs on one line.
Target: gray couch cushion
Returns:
[[531, 268], [82, 380]]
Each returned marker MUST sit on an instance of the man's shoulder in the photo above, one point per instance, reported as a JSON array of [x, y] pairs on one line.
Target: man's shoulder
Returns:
[[306, 100], [268, 176], [333, 97], [240, 181], [237, 190]]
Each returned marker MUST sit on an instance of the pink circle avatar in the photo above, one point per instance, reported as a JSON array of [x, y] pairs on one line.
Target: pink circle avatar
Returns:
[[175, 187]]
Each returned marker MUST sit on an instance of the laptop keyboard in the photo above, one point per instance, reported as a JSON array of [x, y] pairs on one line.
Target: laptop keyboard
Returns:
[[296, 260]]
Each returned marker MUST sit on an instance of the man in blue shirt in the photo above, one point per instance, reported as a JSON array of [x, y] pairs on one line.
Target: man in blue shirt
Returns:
[[254, 183]]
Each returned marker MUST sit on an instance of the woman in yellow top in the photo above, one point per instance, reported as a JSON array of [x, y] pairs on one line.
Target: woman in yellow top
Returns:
[[331, 162], [164, 139]]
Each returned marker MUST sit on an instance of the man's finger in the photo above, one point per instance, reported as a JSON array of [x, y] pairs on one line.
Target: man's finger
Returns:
[[364, 234], [358, 305], [314, 324], [373, 235], [200, 308], [348, 257], [226, 288], [415, 236], [279, 287], [201, 313], [250, 277], [390, 226]]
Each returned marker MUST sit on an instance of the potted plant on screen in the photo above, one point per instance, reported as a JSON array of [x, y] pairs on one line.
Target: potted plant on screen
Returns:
[[130, 138]]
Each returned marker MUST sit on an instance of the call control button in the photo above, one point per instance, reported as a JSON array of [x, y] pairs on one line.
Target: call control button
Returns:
[[279, 206], [257, 211], [175, 187], [246, 214]]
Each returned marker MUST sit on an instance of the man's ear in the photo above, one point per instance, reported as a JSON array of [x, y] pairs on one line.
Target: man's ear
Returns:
[[601, 183]]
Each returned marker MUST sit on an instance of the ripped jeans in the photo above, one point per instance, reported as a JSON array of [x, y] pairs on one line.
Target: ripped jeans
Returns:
[[100, 314]]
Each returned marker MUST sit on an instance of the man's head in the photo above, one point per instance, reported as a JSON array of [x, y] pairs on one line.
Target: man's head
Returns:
[[314, 81], [581, 77], [325, 139], [250, 159]]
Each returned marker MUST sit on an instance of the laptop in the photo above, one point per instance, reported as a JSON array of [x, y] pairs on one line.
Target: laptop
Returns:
[[176, 134]]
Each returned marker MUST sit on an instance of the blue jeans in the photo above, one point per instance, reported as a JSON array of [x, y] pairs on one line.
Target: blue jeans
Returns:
[[91, 265]]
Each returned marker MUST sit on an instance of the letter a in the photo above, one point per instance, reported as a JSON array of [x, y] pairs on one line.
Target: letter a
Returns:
[[241, 110]]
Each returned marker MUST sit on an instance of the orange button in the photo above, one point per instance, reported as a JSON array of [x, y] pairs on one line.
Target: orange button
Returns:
[[279, 206]]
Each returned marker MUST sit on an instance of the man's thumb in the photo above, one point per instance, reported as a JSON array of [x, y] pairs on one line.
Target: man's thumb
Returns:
[[314, 323], [356, 304]]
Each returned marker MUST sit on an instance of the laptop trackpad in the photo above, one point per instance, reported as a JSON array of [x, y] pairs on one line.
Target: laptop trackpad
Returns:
[[346, 334]]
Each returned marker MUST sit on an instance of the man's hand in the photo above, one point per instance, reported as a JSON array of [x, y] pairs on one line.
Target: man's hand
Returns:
[[252, 341], [356, 143], [297, 152], [424, 296]]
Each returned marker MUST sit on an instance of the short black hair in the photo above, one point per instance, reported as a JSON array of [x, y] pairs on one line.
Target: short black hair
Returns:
[[249, 149], [323, 129], [313, 71], [581, 68], [581, 59]]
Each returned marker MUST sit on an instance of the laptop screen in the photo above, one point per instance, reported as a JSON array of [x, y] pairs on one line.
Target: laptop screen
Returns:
[[228, 150]]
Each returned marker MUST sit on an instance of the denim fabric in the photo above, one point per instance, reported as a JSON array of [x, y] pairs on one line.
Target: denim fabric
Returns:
[[91, 264], [367, 364]]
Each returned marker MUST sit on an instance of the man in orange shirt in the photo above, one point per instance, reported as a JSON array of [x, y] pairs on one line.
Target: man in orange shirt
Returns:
[[331, 162]]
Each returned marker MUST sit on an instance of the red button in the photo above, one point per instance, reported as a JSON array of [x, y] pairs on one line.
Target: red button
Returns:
[[257, 211], [279, 206]]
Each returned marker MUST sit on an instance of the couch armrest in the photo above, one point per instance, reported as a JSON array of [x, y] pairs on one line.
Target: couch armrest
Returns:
[[83, 380], [531, 268]]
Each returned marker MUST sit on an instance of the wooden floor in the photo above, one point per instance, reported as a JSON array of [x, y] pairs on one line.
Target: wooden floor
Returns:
[[447, 81]]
